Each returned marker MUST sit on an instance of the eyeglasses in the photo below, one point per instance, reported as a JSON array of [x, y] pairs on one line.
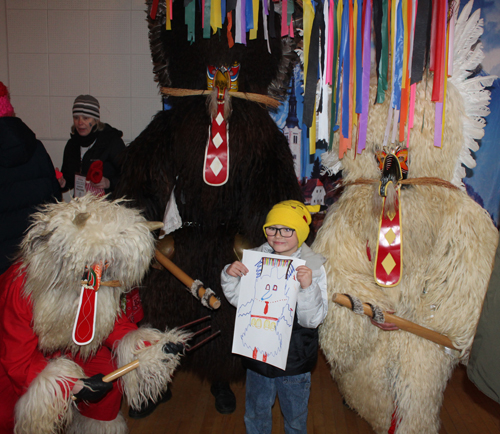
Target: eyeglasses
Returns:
[[284, 232]]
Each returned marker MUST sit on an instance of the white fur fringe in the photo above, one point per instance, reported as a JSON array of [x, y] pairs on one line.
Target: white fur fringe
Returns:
[[155, 369], [45, 407]]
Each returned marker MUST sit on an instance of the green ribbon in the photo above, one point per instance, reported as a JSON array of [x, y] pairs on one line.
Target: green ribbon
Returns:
[[206, 24], [189, 19], [384, 58]]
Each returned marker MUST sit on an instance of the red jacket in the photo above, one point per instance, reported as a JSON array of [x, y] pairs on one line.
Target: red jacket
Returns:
[[20, 359]]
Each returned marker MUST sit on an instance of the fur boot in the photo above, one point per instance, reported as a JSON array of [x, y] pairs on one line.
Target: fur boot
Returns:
[[85, 425]]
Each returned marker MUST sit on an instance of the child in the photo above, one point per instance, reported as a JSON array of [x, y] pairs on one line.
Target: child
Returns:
[[286, 229]]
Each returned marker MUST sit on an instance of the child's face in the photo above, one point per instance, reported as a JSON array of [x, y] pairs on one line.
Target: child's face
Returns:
[[281, 245]]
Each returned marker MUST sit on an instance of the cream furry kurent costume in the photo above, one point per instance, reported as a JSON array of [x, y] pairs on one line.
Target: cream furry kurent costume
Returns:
[[39, 299], [409, 192]]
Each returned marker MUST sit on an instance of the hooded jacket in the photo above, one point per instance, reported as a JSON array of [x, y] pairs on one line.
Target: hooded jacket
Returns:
[[107, 148], [27, 180]]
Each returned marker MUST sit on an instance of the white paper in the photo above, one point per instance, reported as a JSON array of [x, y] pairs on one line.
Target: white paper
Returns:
[[171, 218], [266, 307], [79, 186]]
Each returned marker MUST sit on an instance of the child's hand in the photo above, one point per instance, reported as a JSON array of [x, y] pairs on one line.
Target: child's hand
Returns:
[[237, 269], [304, 276]]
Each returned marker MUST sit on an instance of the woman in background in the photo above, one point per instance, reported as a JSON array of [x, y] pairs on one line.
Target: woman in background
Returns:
[[91, 140]]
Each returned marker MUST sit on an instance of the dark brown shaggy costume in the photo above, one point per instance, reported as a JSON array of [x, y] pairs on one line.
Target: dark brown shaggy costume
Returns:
[[170, 152]]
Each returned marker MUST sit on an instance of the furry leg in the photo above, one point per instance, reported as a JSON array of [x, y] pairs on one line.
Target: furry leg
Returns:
[[419, 385], [86, 425], [45, 407], [366, 389], [155, 369]]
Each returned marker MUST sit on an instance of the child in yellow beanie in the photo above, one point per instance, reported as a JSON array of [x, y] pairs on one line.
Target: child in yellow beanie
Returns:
[[286, 228]]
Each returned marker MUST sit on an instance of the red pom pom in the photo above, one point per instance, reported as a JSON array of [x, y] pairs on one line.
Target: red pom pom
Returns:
[[94, 173], [3, 90]]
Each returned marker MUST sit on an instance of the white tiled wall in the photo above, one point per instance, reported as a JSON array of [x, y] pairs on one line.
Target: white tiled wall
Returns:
[[53, 50]]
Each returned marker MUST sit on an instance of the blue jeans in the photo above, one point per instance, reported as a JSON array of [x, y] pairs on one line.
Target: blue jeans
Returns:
[[293, 393]]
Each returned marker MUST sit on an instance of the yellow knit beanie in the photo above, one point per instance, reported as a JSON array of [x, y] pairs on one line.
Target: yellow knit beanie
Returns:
[[292, 214]]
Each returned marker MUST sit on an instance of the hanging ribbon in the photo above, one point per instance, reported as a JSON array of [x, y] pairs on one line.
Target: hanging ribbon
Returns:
[[405, 88], [344, 64], [330, 42], [266, 33], [240, 26], [439, 74], [189, 19], [255, 17], [334, 99], [230, 40], [434, 22], [284, 24], [381, 14], [312, 68], [154, 9], [398, 49], [343, 78], [363, 127], [359, 50], [249, 15], [422, 25], [206, 19], [439, 54], [323, 106], [215, 15], [168, 13], [290, 9]]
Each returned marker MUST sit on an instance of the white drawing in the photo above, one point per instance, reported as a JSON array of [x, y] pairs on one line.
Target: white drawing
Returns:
[[266, 307]]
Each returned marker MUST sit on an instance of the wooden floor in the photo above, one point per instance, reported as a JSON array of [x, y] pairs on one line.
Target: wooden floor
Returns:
[[191, 410]]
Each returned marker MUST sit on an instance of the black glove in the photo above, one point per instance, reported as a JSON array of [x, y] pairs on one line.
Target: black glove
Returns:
[[94, 388], [171, 348]]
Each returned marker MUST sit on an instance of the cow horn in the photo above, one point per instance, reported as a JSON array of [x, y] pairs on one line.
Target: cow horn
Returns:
[[152, 226], [80, 219]]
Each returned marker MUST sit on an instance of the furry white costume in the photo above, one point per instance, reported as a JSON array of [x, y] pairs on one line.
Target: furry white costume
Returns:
[[39, 361], [448, 247]]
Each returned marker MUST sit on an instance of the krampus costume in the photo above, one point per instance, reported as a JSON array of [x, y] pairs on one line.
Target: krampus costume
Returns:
[[168, 161], [448, 242], [40, 360]]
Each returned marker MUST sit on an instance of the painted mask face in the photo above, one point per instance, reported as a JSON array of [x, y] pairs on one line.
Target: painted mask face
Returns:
[[84, 124], [223, 77], [401, 154], [393, 165]]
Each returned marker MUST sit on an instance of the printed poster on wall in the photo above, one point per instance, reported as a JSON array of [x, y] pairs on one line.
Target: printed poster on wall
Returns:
[[266, 307]]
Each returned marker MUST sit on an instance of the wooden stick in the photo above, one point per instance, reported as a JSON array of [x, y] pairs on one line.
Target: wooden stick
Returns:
[[214, 302], [111, 283], [121, 371], [403, 324], [255, 97]]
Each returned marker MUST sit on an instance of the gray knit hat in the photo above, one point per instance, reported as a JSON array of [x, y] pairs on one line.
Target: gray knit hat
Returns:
[[86, 105]]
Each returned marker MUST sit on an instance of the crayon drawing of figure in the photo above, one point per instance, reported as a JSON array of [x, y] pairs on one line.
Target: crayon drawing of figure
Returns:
[[270, 311]]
